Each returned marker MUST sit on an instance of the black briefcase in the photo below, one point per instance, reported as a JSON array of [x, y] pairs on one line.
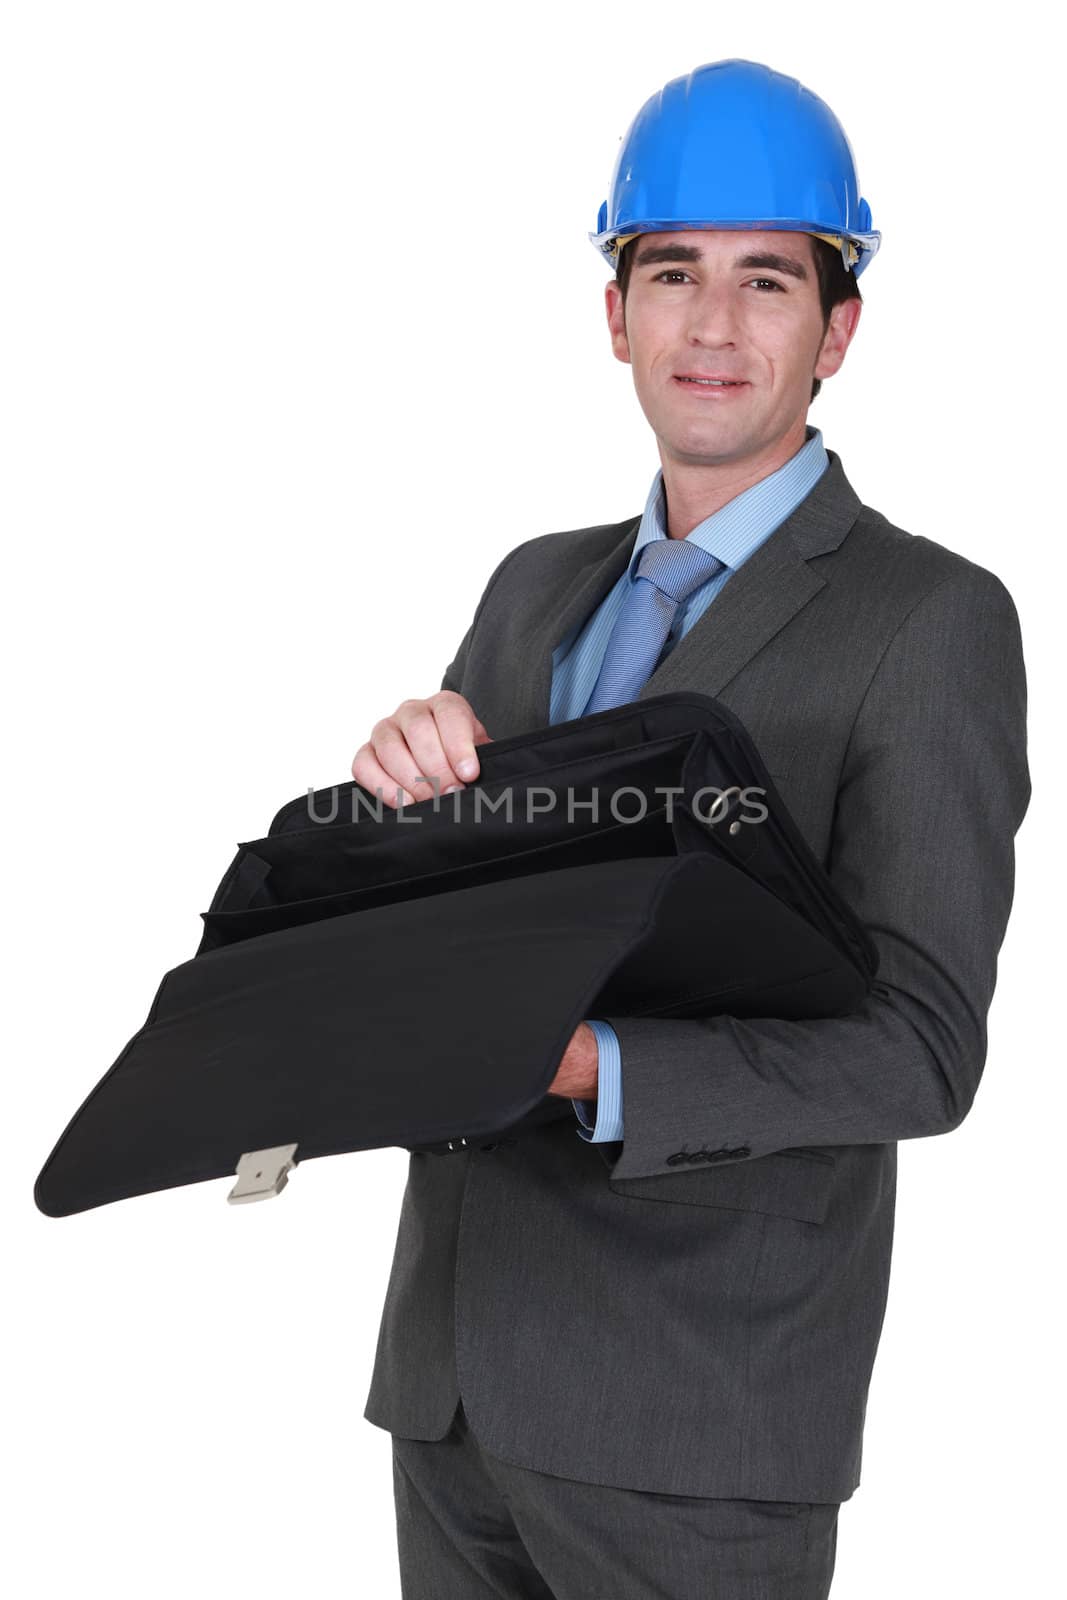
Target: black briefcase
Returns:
[[371, 977]]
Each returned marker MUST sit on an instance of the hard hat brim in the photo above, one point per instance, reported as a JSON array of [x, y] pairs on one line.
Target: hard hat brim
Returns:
[[866, 245]]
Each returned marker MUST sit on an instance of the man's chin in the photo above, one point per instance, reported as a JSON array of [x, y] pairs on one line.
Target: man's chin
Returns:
[[709, 447]]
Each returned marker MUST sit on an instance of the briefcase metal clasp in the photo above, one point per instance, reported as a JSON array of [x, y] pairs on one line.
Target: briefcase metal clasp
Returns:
[[261, 1174]]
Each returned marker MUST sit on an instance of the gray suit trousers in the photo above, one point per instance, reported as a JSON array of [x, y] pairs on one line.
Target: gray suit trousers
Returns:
[[473, 1527]]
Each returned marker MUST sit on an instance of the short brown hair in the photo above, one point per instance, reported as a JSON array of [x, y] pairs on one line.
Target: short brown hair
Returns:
[[836, 284]]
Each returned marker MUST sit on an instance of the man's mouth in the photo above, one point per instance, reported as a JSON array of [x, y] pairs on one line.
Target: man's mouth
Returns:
[[712, 388], [711, 383]]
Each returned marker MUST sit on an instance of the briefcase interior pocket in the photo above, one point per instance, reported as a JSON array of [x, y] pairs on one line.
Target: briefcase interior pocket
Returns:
[[286, 891]]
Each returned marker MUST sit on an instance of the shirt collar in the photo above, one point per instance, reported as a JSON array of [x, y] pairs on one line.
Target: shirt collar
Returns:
[[734, 531]]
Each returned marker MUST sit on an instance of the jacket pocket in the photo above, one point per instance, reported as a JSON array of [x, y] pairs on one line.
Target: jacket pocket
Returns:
[[787, 1183]]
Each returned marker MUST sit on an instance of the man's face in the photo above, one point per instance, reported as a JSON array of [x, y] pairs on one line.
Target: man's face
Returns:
[[720, 303]]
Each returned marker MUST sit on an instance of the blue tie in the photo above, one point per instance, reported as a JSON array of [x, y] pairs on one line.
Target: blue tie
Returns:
[[668, 571]]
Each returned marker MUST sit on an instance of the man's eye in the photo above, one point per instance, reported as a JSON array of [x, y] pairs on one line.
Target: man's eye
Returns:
[[677, 273]]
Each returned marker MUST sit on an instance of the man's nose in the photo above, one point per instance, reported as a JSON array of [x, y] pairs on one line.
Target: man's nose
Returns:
[[713, 317]]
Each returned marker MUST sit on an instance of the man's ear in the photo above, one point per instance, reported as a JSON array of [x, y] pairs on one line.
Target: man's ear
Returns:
[[613, 304], [844, 319]]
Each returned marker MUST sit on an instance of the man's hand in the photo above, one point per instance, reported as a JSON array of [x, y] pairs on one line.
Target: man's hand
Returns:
[[578, 1073], [435, 738]]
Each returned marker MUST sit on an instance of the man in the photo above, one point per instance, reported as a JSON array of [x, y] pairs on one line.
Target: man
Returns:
[[607, 1372]]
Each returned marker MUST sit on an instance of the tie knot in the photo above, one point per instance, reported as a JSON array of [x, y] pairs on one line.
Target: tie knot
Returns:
[[676, 566]]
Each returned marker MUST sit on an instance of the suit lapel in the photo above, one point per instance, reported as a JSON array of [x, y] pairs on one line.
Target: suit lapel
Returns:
[[758, 601], [770, 588], [602, 566]]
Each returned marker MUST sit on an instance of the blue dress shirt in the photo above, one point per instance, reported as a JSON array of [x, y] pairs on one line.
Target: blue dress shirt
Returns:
[[732, 533]]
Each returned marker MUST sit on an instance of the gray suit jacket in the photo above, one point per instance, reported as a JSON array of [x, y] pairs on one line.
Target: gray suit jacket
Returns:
[[711, 1330]]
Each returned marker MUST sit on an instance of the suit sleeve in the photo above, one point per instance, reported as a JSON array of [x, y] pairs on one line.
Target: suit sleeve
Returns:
[[933, 787], [454, 672]]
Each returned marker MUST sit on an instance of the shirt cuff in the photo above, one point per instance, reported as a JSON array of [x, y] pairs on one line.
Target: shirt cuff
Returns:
[[601, 1119]]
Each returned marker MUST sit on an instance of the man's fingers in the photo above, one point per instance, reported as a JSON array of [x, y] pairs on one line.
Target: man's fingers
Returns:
[[418, 724], [369, 772], [425, 744], [459, 732], [440, 735], [401, 750]]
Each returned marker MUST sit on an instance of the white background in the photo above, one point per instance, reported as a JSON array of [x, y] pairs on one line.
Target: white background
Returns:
[[302, 333]]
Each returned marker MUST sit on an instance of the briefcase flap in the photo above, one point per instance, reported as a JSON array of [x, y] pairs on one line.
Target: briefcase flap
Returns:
[[379, 1029]]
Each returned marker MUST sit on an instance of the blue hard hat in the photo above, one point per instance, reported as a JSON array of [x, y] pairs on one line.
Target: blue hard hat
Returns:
[[735, 145]]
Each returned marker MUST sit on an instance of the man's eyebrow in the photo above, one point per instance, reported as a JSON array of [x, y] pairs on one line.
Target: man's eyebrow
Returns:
[[651, 255]]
